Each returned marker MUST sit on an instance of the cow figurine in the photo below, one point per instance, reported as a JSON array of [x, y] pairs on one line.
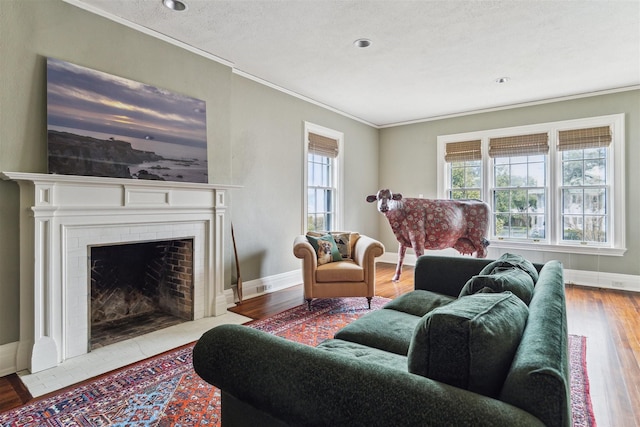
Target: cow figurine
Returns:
[[435, 224]]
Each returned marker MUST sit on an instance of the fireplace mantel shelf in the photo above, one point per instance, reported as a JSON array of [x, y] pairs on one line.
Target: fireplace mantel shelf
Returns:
[[96, 180]]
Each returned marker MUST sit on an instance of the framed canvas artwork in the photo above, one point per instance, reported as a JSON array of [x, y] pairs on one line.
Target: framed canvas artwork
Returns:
[[99, 124]]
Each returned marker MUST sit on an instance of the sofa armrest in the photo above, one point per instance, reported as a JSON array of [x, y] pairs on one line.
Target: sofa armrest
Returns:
[[302, 385]]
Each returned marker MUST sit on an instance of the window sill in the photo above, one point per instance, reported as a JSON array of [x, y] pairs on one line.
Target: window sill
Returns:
[[546, 247]]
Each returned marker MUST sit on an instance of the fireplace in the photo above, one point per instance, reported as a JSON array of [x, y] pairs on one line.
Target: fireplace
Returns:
[[63, 218], [138, 288]]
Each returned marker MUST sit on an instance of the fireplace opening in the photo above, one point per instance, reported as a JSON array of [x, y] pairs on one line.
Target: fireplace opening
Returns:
[[137, 288]]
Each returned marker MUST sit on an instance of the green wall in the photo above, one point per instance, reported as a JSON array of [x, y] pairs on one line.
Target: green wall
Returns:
[[413, 148], [254, 133]]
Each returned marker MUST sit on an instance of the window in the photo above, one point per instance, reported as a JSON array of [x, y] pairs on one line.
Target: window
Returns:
[[322, 178], [556, 186], [465, 171]]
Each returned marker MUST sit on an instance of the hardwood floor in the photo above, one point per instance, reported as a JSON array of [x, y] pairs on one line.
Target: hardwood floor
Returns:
[[609, 319]]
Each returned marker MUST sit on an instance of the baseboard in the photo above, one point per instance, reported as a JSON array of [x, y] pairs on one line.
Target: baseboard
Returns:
[[593, 279], [8, 358], [265, 285]]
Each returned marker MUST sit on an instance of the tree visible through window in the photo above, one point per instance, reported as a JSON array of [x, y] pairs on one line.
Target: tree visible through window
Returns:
[[519, 197], [555, 184]]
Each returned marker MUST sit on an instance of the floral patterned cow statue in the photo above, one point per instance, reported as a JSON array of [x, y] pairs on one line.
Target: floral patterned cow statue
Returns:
[[435, 224]]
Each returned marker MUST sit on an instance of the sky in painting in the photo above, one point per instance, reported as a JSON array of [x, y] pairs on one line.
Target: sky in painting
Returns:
[[87, 100]]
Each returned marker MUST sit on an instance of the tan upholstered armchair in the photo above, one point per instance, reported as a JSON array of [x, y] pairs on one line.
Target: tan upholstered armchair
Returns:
[[353, 276]]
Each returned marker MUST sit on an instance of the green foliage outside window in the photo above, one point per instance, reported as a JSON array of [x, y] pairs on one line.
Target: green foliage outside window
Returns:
[[584, 195]]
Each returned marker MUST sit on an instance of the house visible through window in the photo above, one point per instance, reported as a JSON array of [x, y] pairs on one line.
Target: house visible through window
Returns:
[[558, 185], [322, 186]]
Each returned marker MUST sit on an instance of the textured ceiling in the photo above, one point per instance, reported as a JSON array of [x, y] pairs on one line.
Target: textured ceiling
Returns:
[[428, 58]]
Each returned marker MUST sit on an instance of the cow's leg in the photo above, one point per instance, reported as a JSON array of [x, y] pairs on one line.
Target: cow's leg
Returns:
[[401, 251]]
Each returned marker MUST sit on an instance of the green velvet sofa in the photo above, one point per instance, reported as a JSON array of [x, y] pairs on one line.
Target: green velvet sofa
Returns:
[[462, 349]]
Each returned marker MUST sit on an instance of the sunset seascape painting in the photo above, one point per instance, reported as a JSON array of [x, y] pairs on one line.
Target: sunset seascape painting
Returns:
[[99, 124]]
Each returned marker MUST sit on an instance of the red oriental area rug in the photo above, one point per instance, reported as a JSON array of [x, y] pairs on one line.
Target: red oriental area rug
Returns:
[[165, 391]]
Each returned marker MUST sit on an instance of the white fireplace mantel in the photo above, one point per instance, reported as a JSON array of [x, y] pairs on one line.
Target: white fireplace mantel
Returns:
[[61, 216]]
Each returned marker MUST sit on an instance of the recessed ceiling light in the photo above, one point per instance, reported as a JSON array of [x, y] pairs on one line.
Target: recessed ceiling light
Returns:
[[176, 5], [362, 43], [502, 79]]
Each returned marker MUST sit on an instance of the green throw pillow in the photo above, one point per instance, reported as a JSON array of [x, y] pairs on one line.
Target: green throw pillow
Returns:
[[514, 280], [469, 343], [326, 248], [508, 261]]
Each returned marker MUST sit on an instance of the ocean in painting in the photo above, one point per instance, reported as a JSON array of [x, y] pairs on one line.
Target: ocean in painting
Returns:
[[178, 163]]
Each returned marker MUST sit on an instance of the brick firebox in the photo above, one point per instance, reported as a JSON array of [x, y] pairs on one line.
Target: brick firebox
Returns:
[[138, 288]]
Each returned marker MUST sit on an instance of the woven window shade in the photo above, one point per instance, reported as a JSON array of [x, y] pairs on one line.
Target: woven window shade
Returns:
[[578, 139], [323, 146], [463, 151], [521, 145]]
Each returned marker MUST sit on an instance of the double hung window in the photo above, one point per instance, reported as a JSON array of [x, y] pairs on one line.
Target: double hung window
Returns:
[[558, 186], [322, 178]]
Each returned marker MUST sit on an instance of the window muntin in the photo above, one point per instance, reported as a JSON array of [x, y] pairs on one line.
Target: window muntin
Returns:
[[573, 201]]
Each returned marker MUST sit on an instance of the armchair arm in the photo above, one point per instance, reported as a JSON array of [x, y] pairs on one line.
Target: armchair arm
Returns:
[[364, 254], [366, 250], [302, 249], [302, 385]]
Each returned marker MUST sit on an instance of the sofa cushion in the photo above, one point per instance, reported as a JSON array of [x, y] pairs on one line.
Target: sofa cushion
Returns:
[[470, 342], [509, 261], [326, 248], [418, 302], [343, 271], [388, 330], [515, 280]]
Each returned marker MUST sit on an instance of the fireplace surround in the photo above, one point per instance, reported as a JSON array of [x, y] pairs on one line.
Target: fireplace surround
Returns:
[[63, 216]]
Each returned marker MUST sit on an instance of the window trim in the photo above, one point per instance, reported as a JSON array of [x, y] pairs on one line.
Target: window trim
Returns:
[[338, 172], [616, 170]]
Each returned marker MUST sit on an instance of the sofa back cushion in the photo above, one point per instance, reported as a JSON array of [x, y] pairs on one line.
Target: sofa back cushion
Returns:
[[510, 261], [470, 342], [509, 279]]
